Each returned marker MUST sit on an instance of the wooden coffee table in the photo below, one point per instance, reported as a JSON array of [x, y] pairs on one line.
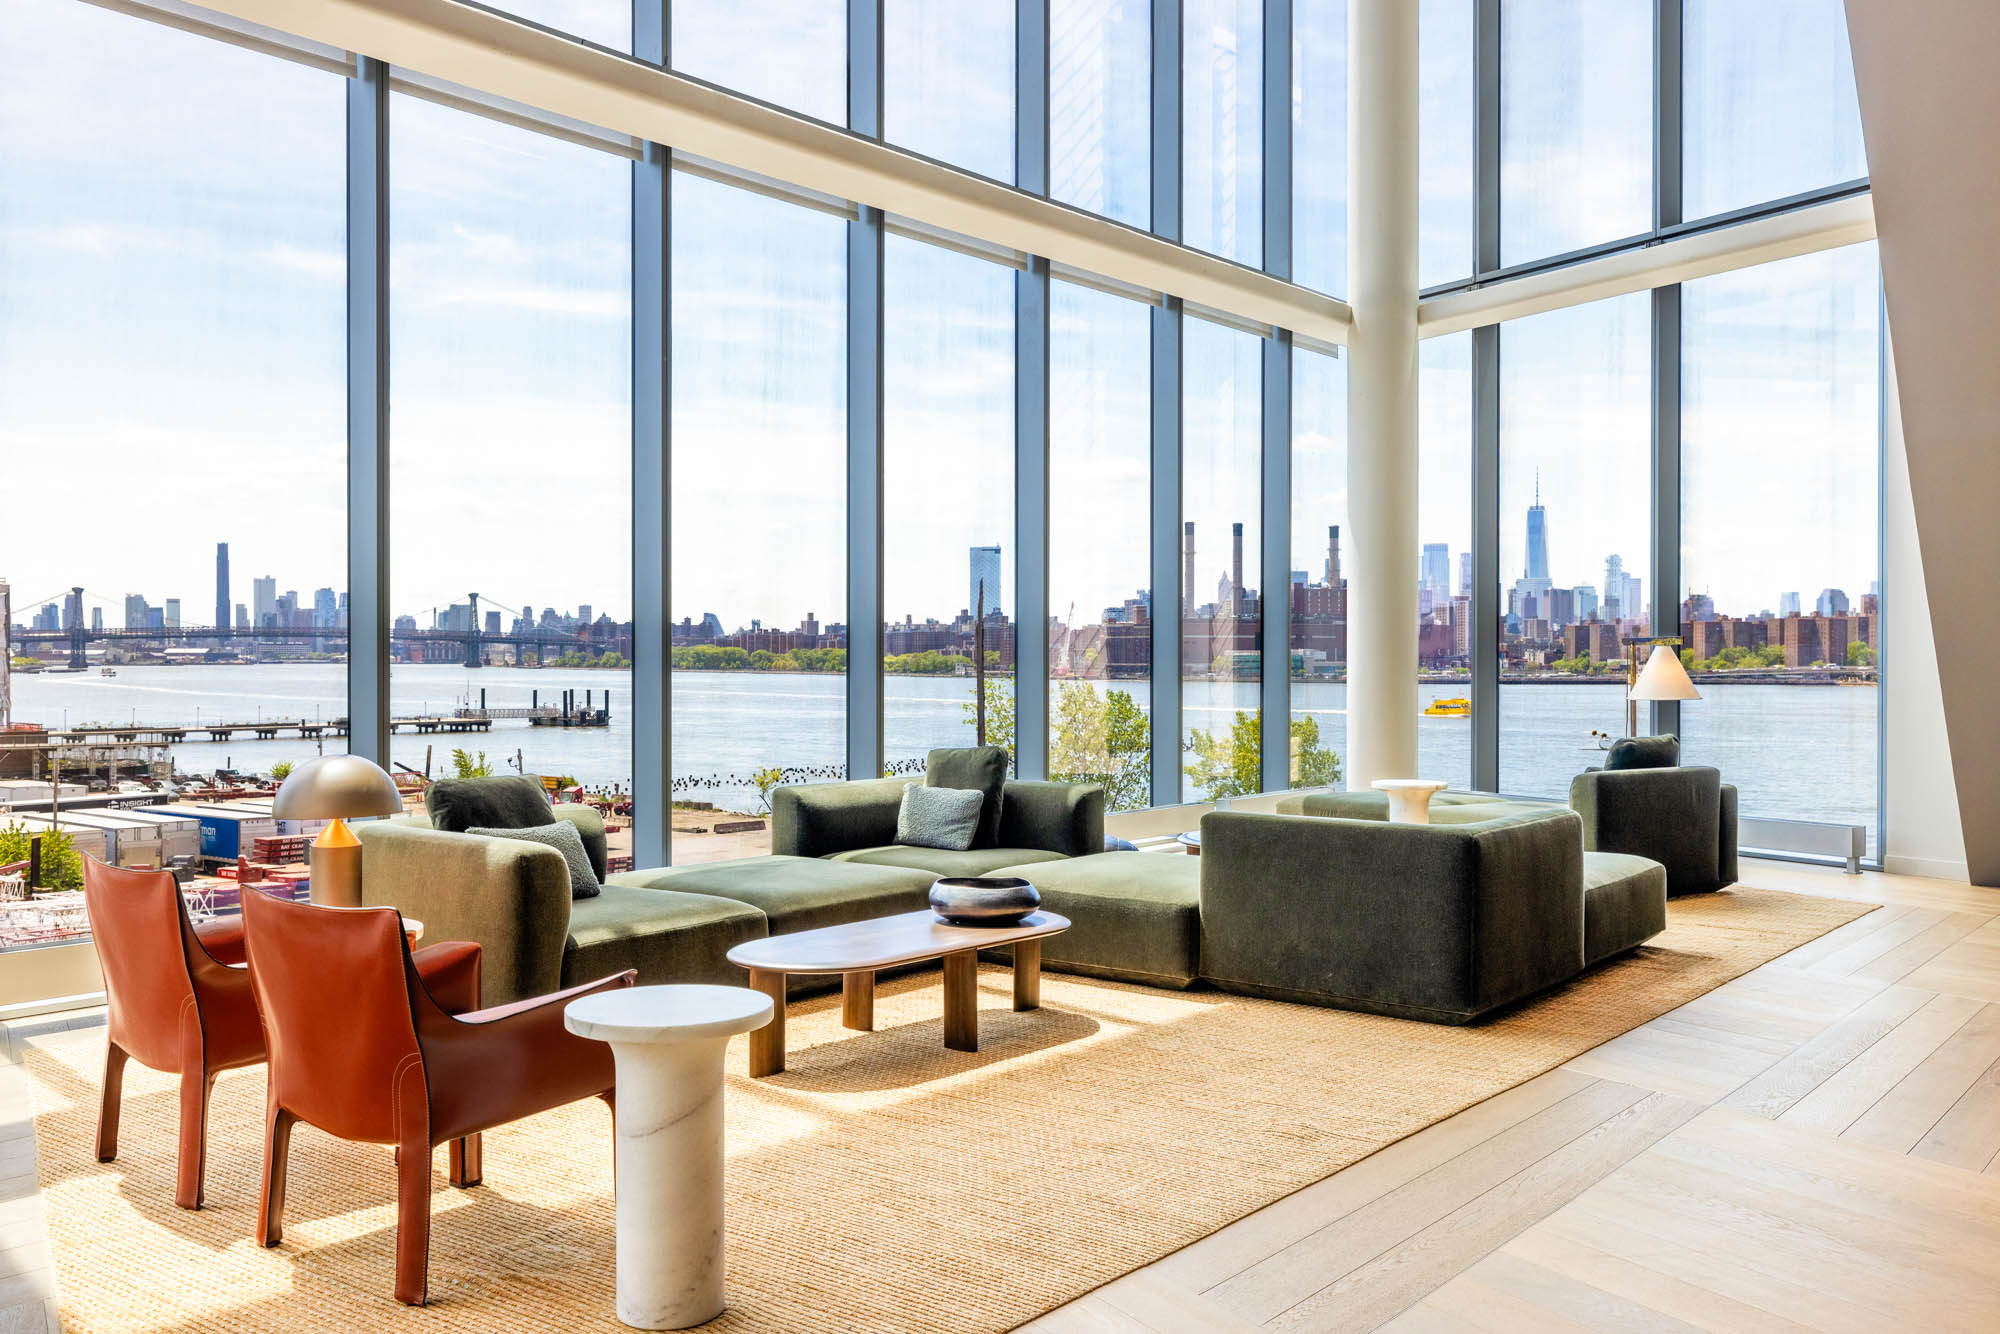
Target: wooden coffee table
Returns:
[[855, 950]]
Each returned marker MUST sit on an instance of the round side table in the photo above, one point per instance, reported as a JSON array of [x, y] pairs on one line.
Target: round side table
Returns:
[[666, 1046], [1409, 798]]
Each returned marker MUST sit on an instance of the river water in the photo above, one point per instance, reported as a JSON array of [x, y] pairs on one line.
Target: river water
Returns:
[[1802, 752]]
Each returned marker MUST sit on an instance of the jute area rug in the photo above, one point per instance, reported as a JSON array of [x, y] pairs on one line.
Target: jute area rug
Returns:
[[883, 1183]]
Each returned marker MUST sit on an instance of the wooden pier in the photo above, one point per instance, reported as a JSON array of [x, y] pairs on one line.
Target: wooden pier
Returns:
[[262, 729]]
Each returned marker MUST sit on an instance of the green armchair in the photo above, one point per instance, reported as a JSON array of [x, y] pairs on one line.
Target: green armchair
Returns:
[[1681, 816]]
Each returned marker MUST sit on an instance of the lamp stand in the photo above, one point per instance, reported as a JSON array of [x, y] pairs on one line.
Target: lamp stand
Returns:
[[336, 867]]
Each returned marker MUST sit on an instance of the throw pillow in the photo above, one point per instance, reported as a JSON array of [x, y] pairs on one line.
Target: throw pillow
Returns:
[[1644, 752], [564, 838], [938, 817], [458, 804], [981, 768]]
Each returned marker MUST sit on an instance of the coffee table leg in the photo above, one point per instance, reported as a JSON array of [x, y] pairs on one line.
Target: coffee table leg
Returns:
[[961, 1000], [767, 1044], [1027, 974], [857, 1000]]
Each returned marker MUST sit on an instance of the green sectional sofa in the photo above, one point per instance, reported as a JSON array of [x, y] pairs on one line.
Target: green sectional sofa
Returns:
[[1327, 903]]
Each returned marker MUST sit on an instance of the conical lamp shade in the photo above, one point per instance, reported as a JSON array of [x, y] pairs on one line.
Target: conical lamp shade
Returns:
[[1663, 677]]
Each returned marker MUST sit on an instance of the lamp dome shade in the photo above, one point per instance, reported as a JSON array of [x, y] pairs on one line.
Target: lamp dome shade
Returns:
[[337, 787], [1663, 677]]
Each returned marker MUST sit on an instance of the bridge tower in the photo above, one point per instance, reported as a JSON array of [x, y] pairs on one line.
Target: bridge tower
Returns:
[[78, 636], [474, 657]]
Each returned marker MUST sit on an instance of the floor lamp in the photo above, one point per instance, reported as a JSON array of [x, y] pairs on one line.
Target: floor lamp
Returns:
[[1663, 677]]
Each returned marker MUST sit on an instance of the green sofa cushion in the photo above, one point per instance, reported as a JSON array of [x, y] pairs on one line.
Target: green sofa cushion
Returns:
[[980, 768], [797, 893], [940, 861], [1624, 903], [1134, 916], [511, 802], [668, 937], [1643, 752], [1370, 805]]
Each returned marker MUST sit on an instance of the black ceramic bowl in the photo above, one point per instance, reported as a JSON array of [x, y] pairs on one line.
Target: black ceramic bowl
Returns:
[[983, 900]]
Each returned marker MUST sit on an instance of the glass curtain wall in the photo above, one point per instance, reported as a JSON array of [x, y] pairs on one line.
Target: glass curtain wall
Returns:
[[1576, 124], [1780, 495], [606, 22], [1575, 533], [1222, 128], [1444, 559], [1221, 570], [1101, 107], [948, 497], [1316, 588], [1319, 144], [172, 416], [1783, 67], [1447, 138], [1100, 474], [948, 82], [790, 53], [511, 404], [759, 440]]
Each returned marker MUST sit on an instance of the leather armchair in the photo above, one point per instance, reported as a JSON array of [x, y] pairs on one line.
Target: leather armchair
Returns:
[[391, 1065], [180, 1000]]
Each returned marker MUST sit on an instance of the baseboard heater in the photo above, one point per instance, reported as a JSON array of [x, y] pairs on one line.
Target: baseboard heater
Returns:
[[1804, 838]]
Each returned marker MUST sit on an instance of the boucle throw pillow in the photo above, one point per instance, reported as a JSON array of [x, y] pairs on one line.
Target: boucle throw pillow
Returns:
[[938, 817], [564, 838]]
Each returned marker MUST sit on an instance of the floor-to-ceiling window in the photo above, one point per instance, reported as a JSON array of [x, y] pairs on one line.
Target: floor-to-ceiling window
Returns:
[[792, 53], [948, 497], [1576, 124], [759, 442], [1222, 577], [1101, 107], [172, 414], [1315, 587], [1781, 70], [1447, 132], [510, 413], [1319, 144], [948, 82], [1780, 534], [1222, 128], [1100, 598], [1575, 532], [1442, 595]]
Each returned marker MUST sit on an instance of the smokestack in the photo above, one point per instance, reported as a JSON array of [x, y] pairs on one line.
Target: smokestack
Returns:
[[1187, 568], [1333, 556], [1236, 570]]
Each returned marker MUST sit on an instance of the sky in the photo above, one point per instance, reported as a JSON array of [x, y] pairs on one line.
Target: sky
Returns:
[[172, 332]]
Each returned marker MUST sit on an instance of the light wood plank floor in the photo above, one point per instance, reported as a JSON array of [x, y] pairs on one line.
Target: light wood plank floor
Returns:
[[1814, 1146]]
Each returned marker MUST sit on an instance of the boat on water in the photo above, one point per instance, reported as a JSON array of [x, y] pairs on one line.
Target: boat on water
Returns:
[[107, 671], [1456, 707]]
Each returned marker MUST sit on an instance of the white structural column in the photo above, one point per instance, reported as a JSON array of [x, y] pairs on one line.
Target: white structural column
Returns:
[[667, 1045], [1382, 392]]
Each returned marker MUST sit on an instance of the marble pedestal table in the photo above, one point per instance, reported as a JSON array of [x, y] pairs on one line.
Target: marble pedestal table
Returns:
[[666, 1046], [1409, 798]]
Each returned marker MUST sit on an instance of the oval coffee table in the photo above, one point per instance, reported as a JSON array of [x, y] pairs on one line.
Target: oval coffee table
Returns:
[[666, 1046], [856, 949]]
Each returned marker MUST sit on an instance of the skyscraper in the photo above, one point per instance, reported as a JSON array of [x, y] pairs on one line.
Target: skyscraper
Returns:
[[72, 612], [1832, 602], [1538, 535], [985, 563], [172, 614], [1437, 571], [1465, 574], [221, 586], [1788, 604], [264, 602]]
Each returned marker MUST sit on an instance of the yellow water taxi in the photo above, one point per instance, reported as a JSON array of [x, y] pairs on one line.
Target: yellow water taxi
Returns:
[[1449, 708]]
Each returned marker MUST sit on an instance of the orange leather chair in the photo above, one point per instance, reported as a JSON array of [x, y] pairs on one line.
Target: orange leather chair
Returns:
[[177, 1005], [387, 1064]]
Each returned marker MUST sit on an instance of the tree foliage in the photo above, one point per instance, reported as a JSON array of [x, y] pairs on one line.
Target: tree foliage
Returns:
[[465, 765], [1231, 765], [1859, 654], [62, 864]]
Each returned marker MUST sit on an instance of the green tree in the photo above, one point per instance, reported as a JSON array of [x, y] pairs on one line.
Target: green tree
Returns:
[[1860, 655], [999, 716], [463, 765], [62, 864], [281, 770], [765, 780], [1103, 739], [1232, 765], [761, 660]]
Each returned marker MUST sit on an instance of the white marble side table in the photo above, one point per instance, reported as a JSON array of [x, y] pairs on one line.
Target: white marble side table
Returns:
[[1409, 798], [666, 1046]]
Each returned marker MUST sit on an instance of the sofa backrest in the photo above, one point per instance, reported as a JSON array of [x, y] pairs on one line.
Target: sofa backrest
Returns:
[[1430, 921], [1337, 804]]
